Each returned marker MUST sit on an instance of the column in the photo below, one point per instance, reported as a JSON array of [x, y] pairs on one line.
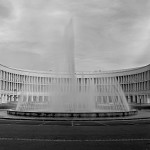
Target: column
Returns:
[[133, 98], [129, 100], [0, 98], [145, 98], [148, 98], [5, 100], [138, 99], [8, 99]]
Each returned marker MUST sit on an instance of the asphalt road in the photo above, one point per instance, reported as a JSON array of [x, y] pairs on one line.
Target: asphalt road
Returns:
[[77, 135]]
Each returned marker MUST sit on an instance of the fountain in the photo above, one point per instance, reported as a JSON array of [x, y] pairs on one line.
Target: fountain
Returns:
[[69, 96]]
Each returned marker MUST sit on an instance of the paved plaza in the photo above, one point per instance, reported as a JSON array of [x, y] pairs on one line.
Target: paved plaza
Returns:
[[74, 135], [106, 133]]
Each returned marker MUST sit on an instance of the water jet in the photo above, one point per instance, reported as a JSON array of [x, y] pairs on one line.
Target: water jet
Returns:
[[70, 97]]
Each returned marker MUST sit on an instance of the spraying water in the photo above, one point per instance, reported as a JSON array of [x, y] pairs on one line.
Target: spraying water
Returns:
[[67, 93]]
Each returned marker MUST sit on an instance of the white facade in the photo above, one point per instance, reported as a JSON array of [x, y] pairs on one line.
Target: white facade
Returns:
[[134, 82]]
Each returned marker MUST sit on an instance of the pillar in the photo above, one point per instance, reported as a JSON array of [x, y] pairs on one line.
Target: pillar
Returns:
[[145, 98], [133, 98], [8, 98], [129, 100], [148, 98], [138, 99], [0, 98], [142, 99], [5, 99]]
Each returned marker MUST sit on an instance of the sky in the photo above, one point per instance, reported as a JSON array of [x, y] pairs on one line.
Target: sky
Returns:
[[107, 34]]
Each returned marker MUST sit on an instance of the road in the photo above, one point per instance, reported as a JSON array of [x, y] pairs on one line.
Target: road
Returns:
[[74, 135]]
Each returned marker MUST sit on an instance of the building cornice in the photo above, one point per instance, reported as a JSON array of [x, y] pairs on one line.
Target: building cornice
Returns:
[[122, 71]]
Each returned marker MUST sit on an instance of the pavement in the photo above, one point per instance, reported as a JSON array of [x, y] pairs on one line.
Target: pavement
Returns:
[[68, 135], [26, 133]]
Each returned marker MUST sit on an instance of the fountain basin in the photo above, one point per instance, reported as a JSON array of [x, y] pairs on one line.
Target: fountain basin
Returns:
[[72, 115]]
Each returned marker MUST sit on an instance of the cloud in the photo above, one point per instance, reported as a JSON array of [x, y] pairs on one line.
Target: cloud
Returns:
[[5, 9], [108, 34]]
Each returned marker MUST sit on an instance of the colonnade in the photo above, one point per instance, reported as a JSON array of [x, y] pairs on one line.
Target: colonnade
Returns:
[[135, 83]]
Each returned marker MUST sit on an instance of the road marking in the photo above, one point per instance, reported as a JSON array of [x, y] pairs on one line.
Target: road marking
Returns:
[[75, 140]]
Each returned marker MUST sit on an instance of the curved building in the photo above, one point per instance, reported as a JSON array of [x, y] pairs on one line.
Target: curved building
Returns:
[[135, 83]]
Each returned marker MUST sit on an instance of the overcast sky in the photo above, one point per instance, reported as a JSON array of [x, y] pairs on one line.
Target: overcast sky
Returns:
[[108, 34]]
